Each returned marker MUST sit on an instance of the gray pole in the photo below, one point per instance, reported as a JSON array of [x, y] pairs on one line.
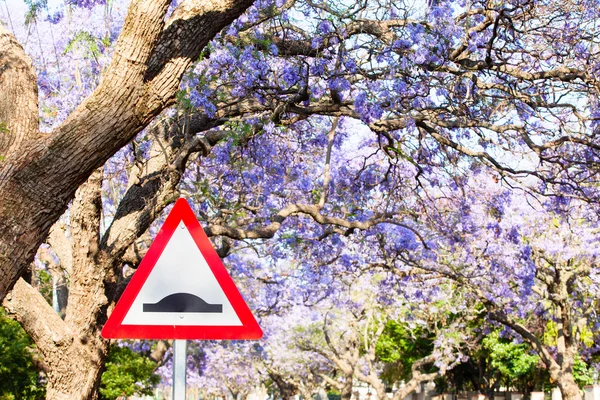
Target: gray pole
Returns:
[[179, 368], [55, 304]]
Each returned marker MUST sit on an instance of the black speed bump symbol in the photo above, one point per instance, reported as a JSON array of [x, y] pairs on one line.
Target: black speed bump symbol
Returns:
[[183, 302]]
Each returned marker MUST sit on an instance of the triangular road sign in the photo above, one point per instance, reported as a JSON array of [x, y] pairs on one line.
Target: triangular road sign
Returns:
[[181, 290]]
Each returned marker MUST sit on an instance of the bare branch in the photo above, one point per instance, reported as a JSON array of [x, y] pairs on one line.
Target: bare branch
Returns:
[[60, 243], [37, 317], [307, 209]]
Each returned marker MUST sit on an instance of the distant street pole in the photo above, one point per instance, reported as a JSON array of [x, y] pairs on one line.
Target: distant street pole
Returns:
[[179, 368]]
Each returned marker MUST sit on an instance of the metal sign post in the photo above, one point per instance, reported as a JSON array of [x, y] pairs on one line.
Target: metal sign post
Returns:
[[179, 368]]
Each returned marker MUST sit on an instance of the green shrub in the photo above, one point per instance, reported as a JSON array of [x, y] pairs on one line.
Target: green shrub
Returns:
[[19, 379], [127, 373]]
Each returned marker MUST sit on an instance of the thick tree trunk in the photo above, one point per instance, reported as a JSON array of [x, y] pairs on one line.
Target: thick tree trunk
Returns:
[[568, 387], [407, 389], [39, 174], [346, 391], [76, 375], [74, 345], [74, 365], [305, 393], [287, 390], [417, 378]]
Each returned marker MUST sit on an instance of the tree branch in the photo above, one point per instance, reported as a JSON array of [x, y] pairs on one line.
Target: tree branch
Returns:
[[311, 210], [60, 243], [140, 82], [85, 290], [40, 321], [19, 119]]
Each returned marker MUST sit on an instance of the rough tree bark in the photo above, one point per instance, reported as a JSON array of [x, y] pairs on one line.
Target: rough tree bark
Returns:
[[287, 390], [39, 173], [75, 345], [73, 353], [290, 384]]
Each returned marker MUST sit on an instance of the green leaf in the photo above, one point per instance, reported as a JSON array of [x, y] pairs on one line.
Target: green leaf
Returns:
[[86, 42], [127, 373], [19, 378]]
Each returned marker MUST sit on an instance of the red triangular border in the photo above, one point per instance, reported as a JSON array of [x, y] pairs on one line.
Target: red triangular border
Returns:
[[113, 329]]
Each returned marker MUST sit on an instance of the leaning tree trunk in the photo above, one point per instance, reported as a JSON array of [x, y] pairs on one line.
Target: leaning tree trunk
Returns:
[[95, 264], [568, 387], [39, 173], [346, 391], [76, 373], [73, 349], [287, 390], [305, 392]]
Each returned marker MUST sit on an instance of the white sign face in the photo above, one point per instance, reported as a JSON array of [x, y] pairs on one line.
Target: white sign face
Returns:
[[181, 290]]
